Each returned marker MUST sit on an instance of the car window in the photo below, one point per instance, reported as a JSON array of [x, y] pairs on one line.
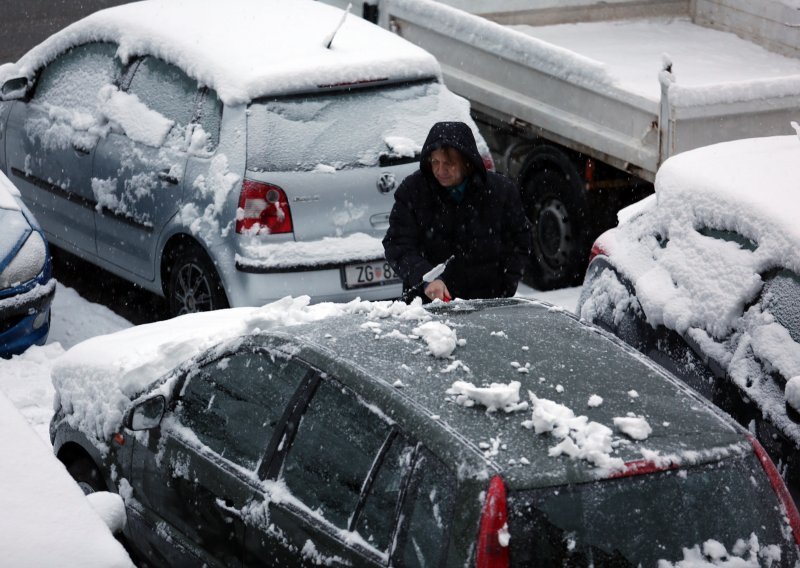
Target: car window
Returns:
[[376, 520], [592, 524], [302, 132], [234, 404], [73, 80], [210, 118], [431, 502], [781, 298], [337, 441], [167, 90]]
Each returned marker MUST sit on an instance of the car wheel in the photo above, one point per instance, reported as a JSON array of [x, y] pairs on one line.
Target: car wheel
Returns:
[[86, 475], [555, 208], [194, 285]]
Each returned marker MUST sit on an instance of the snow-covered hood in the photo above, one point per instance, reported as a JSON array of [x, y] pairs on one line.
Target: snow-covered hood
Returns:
[[14, 226], [244, 49]]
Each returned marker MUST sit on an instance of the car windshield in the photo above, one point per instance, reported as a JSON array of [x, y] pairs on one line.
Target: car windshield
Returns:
[[639, 520], [347, 129]]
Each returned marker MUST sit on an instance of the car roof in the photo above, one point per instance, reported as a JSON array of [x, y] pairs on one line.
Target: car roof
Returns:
[[566, 362], [245, 49]]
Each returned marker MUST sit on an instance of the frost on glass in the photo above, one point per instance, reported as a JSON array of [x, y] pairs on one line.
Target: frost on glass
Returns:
[[781, 298], [346, 129]]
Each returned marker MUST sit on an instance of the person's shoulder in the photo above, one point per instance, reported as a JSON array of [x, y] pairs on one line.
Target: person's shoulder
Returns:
[[413, 183]]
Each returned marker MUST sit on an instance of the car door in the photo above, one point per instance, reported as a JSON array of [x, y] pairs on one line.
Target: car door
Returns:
[[341, 469], [51, 140], [138, 171], [196, 474]]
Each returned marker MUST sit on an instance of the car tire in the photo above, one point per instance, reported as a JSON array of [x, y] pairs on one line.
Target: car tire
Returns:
[[86, 475], [556, 208], [194, 285]]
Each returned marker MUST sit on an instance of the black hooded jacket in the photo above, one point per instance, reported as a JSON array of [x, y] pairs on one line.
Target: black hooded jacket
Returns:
[[487, 232]]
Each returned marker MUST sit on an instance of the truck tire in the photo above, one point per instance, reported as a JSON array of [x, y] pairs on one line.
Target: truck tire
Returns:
[[556, 207], [194, 285]]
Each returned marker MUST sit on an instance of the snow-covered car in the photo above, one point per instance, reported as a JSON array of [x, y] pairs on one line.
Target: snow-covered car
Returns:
[[704, 277], [44, 518], [482, 433], [26, 285], [250, 156]]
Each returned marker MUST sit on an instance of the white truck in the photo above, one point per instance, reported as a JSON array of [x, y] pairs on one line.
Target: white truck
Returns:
[[582, 100]]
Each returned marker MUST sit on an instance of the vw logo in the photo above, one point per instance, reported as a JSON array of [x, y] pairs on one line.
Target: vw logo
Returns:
[[386, 182]]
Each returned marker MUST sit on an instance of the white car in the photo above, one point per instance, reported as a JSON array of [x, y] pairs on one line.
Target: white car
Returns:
[[223, 155]]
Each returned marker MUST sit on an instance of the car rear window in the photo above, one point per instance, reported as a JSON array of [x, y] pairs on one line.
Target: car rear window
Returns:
[[347, 129], [643, 519]]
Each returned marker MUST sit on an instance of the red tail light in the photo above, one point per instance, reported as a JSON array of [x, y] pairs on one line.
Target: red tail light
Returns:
[[779, 487], [263, 208], [493, 534], [597, 248], [488, 162]]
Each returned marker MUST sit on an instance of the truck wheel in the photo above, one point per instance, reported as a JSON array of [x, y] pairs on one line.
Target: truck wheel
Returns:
[[193, 283], [555, 208]]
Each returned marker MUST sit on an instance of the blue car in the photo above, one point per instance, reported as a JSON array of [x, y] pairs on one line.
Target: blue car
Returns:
[[26, 283]]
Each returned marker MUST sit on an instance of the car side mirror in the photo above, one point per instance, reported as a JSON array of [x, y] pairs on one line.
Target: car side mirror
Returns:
[[14, 88], [147, 414]]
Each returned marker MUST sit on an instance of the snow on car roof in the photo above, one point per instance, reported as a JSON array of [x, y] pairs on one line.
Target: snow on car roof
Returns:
[[244, 48]]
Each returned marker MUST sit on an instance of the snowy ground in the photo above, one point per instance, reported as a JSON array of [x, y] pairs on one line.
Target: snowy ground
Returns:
[[25, 379]]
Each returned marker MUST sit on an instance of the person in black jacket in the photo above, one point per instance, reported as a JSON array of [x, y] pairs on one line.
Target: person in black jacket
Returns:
[[454, 207]]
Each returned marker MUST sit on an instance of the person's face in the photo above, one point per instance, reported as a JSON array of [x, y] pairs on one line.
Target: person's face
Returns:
[[449, 167]]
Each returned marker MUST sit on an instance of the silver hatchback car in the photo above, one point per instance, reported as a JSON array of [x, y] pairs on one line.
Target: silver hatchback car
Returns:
[[223, 155]]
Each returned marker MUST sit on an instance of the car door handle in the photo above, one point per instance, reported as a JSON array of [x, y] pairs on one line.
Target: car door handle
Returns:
[[165, 175]]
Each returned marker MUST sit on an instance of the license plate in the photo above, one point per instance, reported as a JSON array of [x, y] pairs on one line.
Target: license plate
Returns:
[[374, 273]]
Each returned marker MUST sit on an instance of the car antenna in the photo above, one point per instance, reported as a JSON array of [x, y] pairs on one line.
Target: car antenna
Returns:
[[341, 23]]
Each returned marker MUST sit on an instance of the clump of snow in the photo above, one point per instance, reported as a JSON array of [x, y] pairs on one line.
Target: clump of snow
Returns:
[[137, 121], [440, 338], [744, 554], [580, 438], [792, 392], [595, 401], [635, 427], [110, 508], [497, 396]]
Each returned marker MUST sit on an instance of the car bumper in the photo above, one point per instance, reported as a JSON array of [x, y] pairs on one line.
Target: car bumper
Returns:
[[25, 319], [251, 288]]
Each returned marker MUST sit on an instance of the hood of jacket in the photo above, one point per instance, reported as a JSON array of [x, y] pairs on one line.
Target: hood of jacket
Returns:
[[455, 135]]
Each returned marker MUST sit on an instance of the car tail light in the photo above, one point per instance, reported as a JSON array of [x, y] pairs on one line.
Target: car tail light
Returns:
[[263, 208], [493, 533], [779, 487], [488, 162], [597, 249]]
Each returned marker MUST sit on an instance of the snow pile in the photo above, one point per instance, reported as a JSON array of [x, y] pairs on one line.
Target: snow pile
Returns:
[[46, 520], [580, 438], [635, 427], [744, 554], [96, 380], [441, 339], [352, 248], [497, 396], [245, 49]]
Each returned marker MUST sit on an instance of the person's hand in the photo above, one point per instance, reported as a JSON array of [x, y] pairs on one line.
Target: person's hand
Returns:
[[437, 290]]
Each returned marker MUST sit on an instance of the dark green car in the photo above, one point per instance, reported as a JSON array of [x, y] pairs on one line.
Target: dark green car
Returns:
[[345, 442]]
